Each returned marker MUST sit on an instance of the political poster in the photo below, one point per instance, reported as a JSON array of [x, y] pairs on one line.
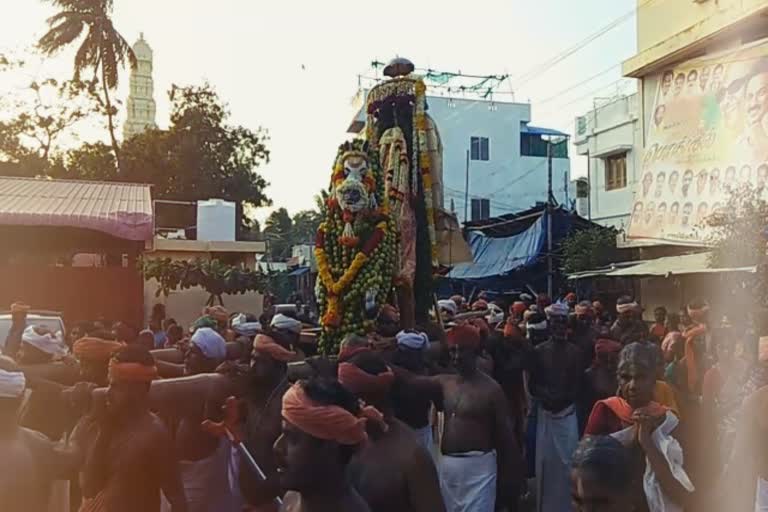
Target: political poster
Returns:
[[708, 136]]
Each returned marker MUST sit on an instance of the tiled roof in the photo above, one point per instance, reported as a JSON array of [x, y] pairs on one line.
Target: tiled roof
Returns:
[[123, 210]]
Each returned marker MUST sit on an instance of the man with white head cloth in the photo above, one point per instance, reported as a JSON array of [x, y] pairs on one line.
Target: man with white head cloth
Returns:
[[32, 463], [285, 329], [495, 315], [40, 345], [203, 459], [413, 408], [207, 350], [629, 326], [447, 309], [554, 384]]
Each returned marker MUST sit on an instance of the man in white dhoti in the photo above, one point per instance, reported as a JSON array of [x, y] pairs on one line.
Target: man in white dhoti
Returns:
[[555, 380], [479, 452]]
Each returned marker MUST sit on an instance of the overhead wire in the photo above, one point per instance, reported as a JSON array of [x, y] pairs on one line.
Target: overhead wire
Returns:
[[564, 54], [574, 86]]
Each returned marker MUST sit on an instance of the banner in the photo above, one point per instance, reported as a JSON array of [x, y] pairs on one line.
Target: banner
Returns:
[[708, 134]]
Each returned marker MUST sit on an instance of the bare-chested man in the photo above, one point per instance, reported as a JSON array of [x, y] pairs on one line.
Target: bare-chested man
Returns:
[[30, 461], [322, 428], [130, 454], [478, 443], [203, 459], [392, 471], [555, 382]]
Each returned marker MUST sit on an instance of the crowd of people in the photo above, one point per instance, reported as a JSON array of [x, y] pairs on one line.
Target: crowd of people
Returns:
[[562, 406]]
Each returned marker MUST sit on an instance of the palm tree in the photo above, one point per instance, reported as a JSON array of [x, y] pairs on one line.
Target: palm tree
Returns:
[[103, 49]]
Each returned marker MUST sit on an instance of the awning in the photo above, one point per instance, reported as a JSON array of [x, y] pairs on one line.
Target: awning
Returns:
[[123, 210], [538, 130], [500, 256], [697, 263]]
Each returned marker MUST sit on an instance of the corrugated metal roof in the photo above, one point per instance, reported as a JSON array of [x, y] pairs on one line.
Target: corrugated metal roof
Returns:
[[696, 263], [123, 210]]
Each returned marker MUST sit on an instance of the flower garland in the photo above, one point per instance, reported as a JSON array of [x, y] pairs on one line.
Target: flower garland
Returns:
[[334, 289], [425, 165], [403, 91]]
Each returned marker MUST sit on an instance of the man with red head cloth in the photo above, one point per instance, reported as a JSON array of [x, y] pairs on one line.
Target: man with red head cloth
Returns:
[[571, 300], [478, 444], [583, 333], [543, 301], [696, 338], [130, 453], [323, 425], [392, 471]]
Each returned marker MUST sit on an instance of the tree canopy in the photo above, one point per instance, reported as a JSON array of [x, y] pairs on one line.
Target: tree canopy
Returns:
[[38, 115], [200, 156], [588, 249], [102, 48], [738, 236], [283, 231]]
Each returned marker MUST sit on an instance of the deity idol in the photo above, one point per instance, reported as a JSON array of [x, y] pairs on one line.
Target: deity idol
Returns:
[[354, 247]]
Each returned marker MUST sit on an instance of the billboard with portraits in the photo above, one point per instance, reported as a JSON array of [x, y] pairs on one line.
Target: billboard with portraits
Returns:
[[708, 134]]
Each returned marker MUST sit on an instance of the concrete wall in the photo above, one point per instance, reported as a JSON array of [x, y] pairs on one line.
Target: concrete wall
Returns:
[[669, 30], [510, 181], [611, 129], [186, 305]]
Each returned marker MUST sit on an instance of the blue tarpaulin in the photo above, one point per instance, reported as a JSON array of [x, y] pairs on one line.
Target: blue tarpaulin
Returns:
[[500, 256]]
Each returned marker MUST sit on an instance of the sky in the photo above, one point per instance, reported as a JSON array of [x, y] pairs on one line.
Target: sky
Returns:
[[292, 67]]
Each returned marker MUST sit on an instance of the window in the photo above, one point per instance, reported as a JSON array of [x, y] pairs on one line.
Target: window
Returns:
[[615, 171], [532, 144], [481, 209], [479, 149]]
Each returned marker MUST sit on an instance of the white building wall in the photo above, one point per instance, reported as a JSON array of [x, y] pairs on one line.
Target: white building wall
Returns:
[[612, 129], [510, 181]]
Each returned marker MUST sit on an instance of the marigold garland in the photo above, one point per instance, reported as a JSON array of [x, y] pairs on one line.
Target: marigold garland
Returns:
[[353, 253]]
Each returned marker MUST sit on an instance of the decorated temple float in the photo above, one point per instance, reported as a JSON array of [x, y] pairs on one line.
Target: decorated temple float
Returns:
[[385, 235]]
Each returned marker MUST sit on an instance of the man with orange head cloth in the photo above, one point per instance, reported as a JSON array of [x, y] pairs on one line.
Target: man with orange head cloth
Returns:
[[130, 455], [323, 425], [478, 444], [94, 355], [393, 471]]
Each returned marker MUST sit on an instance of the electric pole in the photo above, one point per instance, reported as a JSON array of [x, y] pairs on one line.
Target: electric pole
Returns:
[[466, 189], [549, 218]]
